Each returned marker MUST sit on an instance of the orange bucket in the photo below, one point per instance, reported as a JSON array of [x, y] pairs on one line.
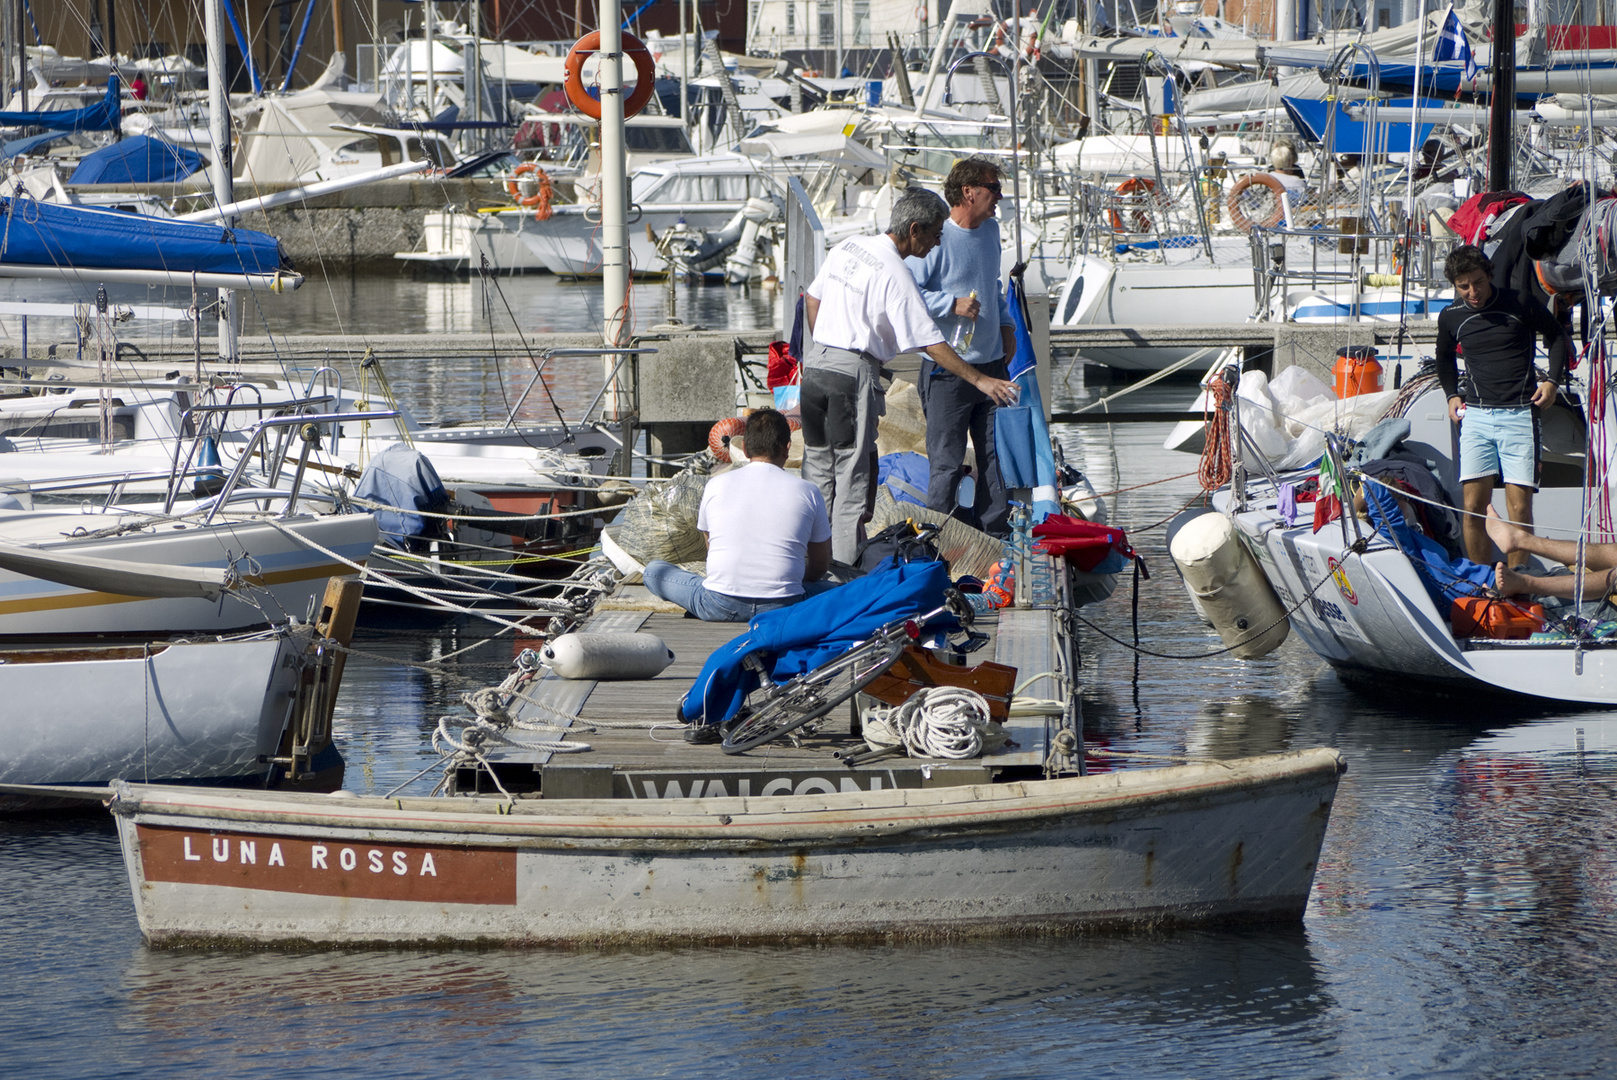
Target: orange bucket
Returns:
[[1357, 371]]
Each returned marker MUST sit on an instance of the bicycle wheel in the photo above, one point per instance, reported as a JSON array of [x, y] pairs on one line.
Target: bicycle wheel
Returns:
[[809, 697]]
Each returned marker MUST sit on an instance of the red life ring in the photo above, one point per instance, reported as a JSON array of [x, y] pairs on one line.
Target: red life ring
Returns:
[[718, 438], [1277, 210], [540, 200], [1133, 189], [645, 75]]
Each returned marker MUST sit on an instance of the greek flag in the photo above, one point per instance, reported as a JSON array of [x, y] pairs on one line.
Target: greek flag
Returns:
[[1452, 44]]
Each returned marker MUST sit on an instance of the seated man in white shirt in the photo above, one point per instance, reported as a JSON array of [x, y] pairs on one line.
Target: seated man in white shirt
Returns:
[[767, 532]]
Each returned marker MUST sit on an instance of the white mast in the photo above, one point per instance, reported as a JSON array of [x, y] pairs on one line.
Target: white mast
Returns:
[[614, 194], [223, 164]]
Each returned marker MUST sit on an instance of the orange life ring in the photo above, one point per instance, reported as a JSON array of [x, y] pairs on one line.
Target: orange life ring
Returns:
[[645, 75], [540, 200], [718, 438], [1239, 218], [1133, 188]]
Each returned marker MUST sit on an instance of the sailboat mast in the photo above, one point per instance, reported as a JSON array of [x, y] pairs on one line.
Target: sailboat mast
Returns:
[[1501, 131], [223, 165]]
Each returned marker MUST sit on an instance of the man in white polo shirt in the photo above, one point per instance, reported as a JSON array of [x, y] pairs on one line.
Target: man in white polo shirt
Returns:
[[768, 538], [864, 309]]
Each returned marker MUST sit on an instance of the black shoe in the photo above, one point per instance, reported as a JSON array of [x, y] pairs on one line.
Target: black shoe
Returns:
[[703, 734]]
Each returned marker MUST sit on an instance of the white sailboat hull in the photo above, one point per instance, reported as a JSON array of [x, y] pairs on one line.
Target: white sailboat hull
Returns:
[[285, 572]]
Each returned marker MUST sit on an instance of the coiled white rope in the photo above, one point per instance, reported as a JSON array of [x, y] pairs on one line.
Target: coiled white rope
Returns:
[[938, 722]]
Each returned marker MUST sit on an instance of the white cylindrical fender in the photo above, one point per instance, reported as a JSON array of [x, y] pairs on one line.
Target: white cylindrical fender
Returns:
[[1229, 586], [607, 656]]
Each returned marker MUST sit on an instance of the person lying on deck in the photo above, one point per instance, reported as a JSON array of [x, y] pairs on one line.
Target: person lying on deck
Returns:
[[1447, 579], [768, 536], [1601, 560]]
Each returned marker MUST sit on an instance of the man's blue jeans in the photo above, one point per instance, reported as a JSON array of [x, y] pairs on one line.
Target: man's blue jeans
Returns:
[[668, 582]]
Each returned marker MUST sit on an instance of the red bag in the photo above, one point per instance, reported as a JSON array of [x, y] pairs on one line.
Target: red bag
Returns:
[[1083, 543], [784, 369], [1470, 221]]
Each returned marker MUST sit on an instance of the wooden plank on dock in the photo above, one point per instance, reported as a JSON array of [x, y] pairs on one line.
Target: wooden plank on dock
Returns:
[[1026, 640]]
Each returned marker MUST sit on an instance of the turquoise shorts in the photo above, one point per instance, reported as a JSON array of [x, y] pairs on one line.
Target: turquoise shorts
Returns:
[[1502, 443]]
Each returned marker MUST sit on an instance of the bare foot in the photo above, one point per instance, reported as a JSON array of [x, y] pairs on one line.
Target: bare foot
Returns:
[[1506, 535], [1508, 581]]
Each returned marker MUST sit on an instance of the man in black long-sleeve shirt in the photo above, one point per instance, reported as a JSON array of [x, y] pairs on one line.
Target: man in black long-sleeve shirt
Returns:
[[1498, 412]]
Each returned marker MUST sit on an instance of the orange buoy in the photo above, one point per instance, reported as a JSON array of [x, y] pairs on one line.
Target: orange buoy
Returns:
[[718, 438]]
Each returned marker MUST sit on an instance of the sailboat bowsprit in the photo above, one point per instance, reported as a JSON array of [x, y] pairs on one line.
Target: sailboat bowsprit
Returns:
[[40, 239]]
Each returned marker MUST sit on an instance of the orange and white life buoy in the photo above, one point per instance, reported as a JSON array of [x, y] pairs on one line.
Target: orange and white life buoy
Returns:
[[718, 438], [1135, 189], [645, 75], [539, 201], [1266, 218]]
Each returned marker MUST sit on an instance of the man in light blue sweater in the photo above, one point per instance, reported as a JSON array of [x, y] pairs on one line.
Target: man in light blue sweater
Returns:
[[959, 280]]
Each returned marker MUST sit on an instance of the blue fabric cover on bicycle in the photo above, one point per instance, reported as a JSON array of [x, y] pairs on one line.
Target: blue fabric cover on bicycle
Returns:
[[806, 635]]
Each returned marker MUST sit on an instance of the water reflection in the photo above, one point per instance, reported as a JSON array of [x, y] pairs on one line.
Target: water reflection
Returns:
[[912, 1010]]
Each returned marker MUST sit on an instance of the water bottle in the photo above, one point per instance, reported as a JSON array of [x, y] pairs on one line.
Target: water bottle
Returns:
[[963, 332]]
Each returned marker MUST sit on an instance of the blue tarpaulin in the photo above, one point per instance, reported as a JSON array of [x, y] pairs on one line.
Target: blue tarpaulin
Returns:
[[104, 115], [1348, 136], [806, 635], [138, 160], [48, 234]]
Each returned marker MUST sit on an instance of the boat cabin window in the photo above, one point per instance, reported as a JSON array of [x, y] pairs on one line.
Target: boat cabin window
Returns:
[[690, 188], [89, 429], [431, 150], [359, 146], [656, 140]]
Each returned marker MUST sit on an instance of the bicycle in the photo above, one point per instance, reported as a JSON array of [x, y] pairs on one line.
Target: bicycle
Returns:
[[805, 698]]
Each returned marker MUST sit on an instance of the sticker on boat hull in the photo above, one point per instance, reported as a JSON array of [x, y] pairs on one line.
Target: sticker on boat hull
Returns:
[[1343, 585], [421, 873]]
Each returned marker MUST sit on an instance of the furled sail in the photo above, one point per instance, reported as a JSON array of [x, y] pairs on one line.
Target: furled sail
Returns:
[[104, 115]]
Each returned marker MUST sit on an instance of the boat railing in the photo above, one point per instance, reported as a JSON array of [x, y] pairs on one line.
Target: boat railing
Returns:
[[1375, 258], [307, 426], [198, 455]]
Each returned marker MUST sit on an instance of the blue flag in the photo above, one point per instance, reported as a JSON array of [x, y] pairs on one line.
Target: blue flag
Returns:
[[1452, 44], [1021, 437]]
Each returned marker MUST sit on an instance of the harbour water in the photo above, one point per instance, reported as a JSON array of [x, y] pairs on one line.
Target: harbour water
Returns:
[[1461, 922]]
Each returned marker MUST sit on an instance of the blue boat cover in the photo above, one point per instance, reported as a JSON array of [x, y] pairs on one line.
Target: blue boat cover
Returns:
[[403, 479], [1447, 78], [808, 634], [1445, 579], [104, 115], [49, 234], [1311, 117], [141, 159]]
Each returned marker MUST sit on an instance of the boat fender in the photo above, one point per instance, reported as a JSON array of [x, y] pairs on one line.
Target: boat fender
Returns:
[[1229, 586], [1183, 518], [721, 434], [607, 656]]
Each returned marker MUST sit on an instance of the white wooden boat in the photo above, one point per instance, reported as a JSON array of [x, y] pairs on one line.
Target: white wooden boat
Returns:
[[1230, 840], [211, 710]]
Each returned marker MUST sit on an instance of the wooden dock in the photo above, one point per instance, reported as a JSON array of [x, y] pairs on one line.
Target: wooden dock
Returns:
[[648, 758]]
